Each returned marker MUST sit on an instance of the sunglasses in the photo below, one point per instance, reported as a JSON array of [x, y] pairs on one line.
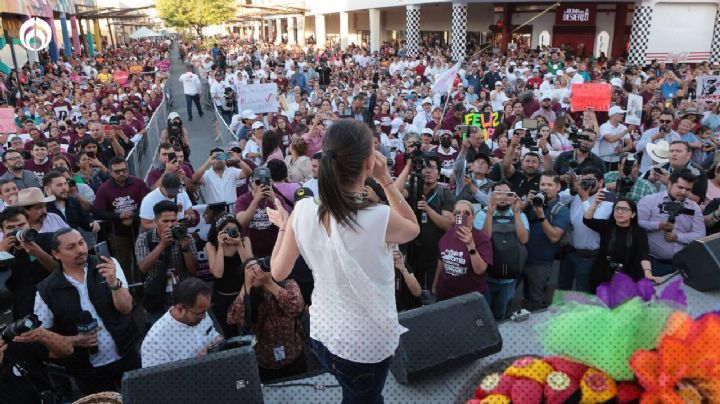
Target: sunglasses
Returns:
[[665, 121]]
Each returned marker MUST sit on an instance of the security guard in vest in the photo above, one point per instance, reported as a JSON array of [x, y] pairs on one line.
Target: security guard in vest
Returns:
[[87, 299]]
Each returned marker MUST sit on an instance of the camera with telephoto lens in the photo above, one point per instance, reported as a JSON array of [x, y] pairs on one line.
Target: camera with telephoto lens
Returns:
[[674, 209], [232, 233], [19, 327], [588, 183], [28, 235], [178, 232], [539, 199]]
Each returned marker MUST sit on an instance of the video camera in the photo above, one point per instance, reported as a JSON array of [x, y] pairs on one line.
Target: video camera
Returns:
[[420, 158], [674, 209], [625, 182], [19, 327]]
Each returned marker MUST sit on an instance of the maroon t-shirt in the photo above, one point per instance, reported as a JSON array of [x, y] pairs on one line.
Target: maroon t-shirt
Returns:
[[155, 173], [457, 276], [261, 231], [112, 200], [38, 169], [450, 123]]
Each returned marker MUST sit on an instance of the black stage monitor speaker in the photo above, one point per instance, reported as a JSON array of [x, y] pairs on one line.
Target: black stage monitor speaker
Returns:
[[223, 377], [699, 263], [456, 330]]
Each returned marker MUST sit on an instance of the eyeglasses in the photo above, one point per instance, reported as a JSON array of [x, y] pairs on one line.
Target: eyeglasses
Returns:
[[462, 212], [622, 209], [120, 171], [16, 158], [200, 314], [665, 121]]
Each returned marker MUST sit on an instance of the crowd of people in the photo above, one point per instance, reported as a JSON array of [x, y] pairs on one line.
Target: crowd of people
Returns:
[[548, 199]]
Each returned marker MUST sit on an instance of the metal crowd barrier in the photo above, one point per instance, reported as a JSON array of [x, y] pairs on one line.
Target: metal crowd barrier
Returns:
[[142, 156]]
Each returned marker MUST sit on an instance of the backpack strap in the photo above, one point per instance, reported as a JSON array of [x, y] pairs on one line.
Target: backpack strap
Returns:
[[555, 210]]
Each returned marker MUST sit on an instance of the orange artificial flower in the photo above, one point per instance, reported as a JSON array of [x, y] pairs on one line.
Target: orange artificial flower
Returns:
[[685, 367]]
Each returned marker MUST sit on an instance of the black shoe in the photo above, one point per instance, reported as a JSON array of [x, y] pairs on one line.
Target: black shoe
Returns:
[[190, 119]]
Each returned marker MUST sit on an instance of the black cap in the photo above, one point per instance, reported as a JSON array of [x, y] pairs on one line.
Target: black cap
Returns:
[[302, 193], [171, 182]]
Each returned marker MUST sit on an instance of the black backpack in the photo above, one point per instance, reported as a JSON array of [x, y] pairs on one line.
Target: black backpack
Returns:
[[509, 254]]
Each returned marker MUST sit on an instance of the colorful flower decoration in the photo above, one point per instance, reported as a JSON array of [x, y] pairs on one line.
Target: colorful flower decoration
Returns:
[[685, 367]]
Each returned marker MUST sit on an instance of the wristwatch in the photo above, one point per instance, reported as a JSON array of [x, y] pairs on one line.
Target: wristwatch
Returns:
[[117, 286], [541, 219], [472, 251], [545, 152]]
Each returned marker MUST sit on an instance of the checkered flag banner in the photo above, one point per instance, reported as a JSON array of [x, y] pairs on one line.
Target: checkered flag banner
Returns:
[[715, 45], [458, 35], [640, 34], [412, 29]]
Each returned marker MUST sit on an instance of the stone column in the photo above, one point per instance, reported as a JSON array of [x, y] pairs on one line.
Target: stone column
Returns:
[[320, 30], [458, 35], [291, 30], [412, 29], [301, 30], [344, 28], [374, 15], [75, 35], [256, 29]]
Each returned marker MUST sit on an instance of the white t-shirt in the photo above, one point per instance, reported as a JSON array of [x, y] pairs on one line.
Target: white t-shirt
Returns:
[[191, 83], [107, 349], [606, 150], [220, 189], [155, 196], [353, 311], [170, 340], [252, 147]]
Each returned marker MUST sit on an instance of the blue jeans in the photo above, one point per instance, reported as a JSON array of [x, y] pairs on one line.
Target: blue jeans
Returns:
[[189, 99], [361, 382], [575, 267], [498, 296]]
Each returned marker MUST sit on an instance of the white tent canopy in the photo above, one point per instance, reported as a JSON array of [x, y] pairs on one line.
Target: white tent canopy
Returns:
[[144, 33]]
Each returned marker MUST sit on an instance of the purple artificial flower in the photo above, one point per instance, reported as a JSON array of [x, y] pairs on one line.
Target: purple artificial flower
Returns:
[[622, 288]]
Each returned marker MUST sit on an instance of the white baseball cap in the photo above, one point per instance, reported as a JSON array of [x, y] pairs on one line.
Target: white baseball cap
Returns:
[[248, 114], [615, 110], [257, 125], [570, 70], [616, 82]]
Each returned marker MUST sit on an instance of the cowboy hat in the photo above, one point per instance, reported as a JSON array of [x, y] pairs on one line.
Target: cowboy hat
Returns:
[[31, 197], [659, 152]]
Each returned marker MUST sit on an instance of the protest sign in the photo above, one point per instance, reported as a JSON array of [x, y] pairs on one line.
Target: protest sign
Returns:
[[120, 76], [259, 98], [634, 109], [708, 88], [591, 95], [488, 121], [7, 120]]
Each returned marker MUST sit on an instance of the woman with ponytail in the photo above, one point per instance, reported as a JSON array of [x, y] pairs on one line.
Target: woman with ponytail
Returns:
[[348, 241]]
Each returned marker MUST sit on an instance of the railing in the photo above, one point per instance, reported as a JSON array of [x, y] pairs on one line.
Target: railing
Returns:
[[142, 156]]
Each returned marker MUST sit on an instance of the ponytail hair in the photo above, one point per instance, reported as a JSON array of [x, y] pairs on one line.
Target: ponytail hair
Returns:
[[346, 145]]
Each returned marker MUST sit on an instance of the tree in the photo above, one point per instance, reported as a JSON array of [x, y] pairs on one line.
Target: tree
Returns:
[[195, 14]]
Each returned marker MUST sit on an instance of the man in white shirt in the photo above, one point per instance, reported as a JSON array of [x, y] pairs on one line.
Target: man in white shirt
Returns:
[[425, 115], [191, 89], [614, 138], [498, 97], [184, 331], [574, 77], [217, 91], [169, 190], [219, 182], [253, 147]]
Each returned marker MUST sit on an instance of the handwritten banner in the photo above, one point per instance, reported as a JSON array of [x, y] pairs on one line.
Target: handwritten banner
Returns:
[[7, 120], [259, 98], [595, 96], [708, 88], [486, 120]]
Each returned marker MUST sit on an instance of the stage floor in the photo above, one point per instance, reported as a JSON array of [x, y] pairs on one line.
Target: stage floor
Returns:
[[446, 385]]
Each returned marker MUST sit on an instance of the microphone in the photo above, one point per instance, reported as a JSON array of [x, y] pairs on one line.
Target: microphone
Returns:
[[302, 193], [87, 324]]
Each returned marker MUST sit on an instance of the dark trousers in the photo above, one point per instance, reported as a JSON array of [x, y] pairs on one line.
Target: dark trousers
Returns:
[[189, 99], [296, 367], [107, 377], [361, 383], [226, 116], [220, 306]]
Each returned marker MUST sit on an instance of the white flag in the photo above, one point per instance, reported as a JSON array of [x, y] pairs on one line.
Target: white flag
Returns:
[[444, 82]]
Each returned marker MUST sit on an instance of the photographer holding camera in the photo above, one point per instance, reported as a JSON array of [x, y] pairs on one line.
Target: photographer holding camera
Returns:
[[176, 134], [218, 178], [548, 222], [23, 377], [271, 311], [574, 161], [671, 219], [31, 265], [170, 163], [169, 190], [252, 216], [626, 181], [226, 251], [655, 135], [435, 213], [678, 157], [167, 255]]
